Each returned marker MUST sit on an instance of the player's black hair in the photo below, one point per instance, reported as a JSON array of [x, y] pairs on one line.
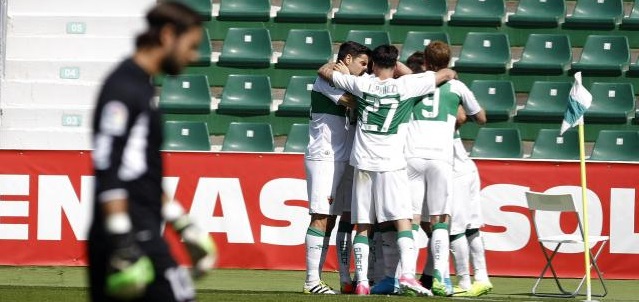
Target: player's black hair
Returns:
[[181, 17], [416, 62], [352, 48], [385, 56]]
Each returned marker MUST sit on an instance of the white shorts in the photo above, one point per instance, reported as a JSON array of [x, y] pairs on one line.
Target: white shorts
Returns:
[[466, 210], [380, 196], [322, 180], [430, 187]]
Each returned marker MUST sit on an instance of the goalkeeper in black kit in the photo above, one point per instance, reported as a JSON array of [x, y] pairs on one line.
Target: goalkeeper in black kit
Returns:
[[128, 257]]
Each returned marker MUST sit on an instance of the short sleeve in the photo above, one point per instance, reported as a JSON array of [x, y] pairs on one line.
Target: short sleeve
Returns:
[[323, 87], [468, 100], [419, 84], [348, 83]]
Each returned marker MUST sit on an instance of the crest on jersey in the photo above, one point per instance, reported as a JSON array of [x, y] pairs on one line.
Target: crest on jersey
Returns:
[[114, 118]]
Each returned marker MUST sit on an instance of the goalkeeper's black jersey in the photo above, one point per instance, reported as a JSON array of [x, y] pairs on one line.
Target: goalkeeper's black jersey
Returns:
[[127, 136]]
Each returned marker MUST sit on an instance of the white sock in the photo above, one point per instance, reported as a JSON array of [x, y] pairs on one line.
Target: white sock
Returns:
[[361, 251], [440, 248], [314, 248], [406, 253], [477, 254], [344, 246], [460, 250], [391, 253]]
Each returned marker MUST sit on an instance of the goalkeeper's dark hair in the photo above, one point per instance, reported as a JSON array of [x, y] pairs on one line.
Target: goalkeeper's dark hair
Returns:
[[179, 16], [352, 48], [385, 56], [437, 55]]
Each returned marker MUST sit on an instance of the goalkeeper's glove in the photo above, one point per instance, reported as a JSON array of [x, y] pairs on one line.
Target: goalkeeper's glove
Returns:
[[129, 271], [199, 244]]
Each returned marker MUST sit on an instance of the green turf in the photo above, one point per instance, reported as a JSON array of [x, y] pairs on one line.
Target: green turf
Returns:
[[68, 284]]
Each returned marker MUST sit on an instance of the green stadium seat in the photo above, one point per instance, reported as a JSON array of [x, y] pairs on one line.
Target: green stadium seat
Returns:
[[550, 145], [497, 143], [306, 49], [204, 50], [544, 54], [478, 13], [537, 14], [418, 40], [611, 103], [202, 7], [297, 99], [186, 94], [186, 135], [603, 55], [633, 69], [616, 145], [547, 102], [245, 10], [632, 21], [497, 98], [595, 14], [420, 12], [362, 12], [484, 53], [249, 137], [297, 139], [304, 11], [368, 38], [246, 47], [246, 95]]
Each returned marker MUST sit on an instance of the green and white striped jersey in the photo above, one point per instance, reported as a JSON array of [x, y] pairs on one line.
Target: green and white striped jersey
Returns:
[[384, 107], [432, 124], [329, 137]]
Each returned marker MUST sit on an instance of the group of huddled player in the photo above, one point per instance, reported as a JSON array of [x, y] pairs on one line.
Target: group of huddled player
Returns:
[[385, 155]]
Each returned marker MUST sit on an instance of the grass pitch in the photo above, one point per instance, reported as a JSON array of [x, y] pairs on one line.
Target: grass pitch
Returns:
[[68, 284]]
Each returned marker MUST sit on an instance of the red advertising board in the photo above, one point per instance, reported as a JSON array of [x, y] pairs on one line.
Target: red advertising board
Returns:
[[255, 207]]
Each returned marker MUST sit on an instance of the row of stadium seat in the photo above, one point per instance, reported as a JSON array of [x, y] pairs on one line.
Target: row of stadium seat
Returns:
[[481, 52], [251, 95], [490, 142], [596, 14]]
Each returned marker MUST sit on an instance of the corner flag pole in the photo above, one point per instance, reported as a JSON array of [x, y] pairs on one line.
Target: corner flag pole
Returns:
[[582, 161]]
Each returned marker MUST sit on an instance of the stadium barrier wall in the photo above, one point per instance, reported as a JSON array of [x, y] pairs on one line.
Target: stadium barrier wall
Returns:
[[255, 206]]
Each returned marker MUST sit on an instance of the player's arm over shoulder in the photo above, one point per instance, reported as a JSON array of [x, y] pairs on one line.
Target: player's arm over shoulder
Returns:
[[468, 101]]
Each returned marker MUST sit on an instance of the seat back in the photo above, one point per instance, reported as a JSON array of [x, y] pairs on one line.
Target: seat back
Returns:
[[418, 40], [486, 47], [249, 137], [203, 7], [550, 145], [550, 202], [496, 96], [599, 9], [186, 135], [307, 48], [497, 143], [541, 8], [204, 50], [616, 145], [362, 11], [611, 98], [297, 99], [186, 94], [606, 50], [547, 48], [420, 12], [478, 12], [249, 94], [548, 98], [368, 38], [303, 11], [245, 10], [297, 139], [246, 47]]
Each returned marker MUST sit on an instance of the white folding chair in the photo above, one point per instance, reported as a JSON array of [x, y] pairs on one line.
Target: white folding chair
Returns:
[[562, 203]]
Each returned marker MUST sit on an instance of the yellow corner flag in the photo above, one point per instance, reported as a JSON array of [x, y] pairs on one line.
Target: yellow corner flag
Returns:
[[578, 102]]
